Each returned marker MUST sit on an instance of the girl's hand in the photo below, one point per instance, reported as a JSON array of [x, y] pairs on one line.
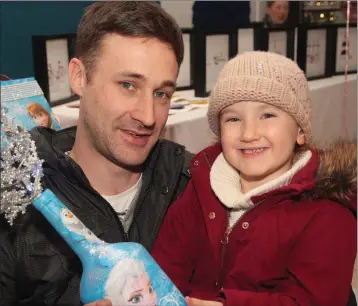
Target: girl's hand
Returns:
[[196, 302]]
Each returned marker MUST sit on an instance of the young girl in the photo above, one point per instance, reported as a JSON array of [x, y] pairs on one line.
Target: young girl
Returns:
[[265, 220]]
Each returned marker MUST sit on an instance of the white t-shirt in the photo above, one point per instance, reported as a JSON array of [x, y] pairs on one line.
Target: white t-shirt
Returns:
[[124, 203]]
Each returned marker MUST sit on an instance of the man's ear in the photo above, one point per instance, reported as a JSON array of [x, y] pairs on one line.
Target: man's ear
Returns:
[[77, 76], [300, 137]]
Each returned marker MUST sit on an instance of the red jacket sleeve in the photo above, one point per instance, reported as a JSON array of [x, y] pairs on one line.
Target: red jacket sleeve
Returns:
[[320, 266], [176, 247]]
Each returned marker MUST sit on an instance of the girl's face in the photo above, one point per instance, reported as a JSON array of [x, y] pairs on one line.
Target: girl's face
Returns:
[[41, 119], [258, 140], [142, 293], [278, 11]]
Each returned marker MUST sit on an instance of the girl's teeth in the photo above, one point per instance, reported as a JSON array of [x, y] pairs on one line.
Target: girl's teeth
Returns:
[[253, 151]]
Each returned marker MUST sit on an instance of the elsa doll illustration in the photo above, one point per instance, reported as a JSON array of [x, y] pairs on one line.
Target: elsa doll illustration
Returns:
[[129, 284]]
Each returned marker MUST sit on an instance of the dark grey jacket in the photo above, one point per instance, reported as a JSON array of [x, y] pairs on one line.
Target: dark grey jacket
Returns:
[[37, 267]]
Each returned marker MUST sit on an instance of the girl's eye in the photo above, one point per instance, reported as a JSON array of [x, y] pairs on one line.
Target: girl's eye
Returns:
[[161, 95], [150, 289], [127, 85], [233, 120], [267, 116], [136, 299]]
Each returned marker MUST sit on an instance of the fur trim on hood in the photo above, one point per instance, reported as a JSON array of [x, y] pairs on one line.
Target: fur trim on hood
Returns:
[[336, 178]]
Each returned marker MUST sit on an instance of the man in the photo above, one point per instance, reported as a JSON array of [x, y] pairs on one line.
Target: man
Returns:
[[112, 172]]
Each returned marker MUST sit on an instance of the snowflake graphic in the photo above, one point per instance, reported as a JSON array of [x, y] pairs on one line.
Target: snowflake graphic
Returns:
[[18, 109]]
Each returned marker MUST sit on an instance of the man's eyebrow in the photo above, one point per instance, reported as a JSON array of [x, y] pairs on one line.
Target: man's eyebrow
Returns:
[[130, 74], [168, 83]]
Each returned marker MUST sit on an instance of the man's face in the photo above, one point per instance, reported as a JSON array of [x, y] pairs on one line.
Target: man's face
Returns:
[[125, 105]]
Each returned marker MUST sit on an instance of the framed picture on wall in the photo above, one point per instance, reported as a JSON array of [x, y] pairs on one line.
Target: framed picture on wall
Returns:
[[345, 49], [51, 55], [212, 52], [217, 55], [281, 41], [277, 42], [185, 79], [245, 40], [314, 51], [249, 39]]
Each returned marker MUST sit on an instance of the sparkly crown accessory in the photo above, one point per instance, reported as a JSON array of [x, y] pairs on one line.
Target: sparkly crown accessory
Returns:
[[21, 169]]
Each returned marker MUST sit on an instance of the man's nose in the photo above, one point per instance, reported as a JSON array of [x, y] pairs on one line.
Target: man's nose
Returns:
[[144, 111]]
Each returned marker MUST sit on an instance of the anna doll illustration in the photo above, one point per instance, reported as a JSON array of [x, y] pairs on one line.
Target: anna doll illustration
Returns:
[[40, 115]]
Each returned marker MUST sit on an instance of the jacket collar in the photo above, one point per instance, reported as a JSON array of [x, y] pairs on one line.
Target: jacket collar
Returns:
[[303, 179], [331, 173]]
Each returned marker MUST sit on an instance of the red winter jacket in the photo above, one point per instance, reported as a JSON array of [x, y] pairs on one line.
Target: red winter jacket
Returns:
[[297, 246]]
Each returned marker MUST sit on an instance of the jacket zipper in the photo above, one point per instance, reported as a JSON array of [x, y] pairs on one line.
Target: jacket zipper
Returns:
[[101, 199], [138, 210], [207, 161], [225, 238]]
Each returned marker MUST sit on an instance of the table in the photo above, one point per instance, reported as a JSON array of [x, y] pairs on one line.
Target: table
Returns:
[[192, 130]]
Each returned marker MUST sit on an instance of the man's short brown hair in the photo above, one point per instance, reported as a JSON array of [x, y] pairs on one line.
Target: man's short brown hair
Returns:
[[127, 18]]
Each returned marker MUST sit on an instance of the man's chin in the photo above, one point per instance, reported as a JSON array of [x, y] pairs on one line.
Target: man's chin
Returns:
[[132, 161]]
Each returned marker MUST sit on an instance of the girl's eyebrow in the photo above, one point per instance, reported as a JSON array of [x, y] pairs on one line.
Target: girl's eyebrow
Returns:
[[266, 106], [227, 111]]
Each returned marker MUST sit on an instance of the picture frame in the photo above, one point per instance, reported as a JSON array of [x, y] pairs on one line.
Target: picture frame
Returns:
[[249, 38], [212, 50], [338, 36], [281, 41], [51, 55], [185, 77], [314, 51]]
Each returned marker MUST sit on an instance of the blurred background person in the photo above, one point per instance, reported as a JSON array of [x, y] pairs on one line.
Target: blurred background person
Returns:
[[276, 14]]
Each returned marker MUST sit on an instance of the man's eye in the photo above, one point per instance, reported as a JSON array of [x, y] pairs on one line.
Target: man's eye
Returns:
[[161, 95], [127, 85]]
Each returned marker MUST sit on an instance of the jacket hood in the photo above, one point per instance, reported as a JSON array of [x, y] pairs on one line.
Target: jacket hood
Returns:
[[336, 177], [331, 174]]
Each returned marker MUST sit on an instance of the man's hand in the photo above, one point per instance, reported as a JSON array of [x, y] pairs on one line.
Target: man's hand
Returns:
[[100, 303], [196, 302]]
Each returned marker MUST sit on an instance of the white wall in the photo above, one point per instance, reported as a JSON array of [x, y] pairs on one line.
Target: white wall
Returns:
[[183, 14], [180, 10]]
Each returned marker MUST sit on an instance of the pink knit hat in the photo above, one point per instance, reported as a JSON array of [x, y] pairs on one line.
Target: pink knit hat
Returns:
[[265, 77]]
